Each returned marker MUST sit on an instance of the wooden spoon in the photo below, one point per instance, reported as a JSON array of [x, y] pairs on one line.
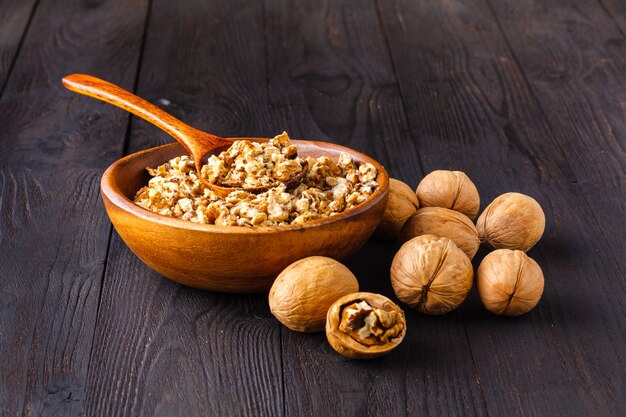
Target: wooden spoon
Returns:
[[199, 144]]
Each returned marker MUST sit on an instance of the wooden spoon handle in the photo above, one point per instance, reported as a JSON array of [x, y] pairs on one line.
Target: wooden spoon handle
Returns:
[[194, 141]]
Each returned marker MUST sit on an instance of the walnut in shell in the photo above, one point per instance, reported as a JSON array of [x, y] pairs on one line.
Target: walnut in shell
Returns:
[[401, 205], [443, 222], [511, 221], [509, 283], [431, 274], [364, 325], [303, 292], [449, 189]]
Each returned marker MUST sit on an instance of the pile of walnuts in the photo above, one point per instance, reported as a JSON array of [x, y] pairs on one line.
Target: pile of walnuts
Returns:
[[432, 272]]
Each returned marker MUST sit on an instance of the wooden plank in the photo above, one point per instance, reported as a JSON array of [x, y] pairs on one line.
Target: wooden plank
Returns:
[[161, 348], [574, 61], [15, 17], [330, 78], [53, 230], [471, 108], [187, 70], [616, 11]]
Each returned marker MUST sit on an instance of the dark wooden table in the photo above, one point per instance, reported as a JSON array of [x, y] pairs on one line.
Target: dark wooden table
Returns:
[[523, 95]]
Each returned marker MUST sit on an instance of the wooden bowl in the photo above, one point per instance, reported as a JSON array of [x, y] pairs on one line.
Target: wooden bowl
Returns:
[[231, 258]]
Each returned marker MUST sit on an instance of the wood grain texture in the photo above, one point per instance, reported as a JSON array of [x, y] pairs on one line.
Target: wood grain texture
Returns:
[[15, 17], [568, 56], [332, 76], [162, 349], [53, 229], [334, 83], [205, 67], [471, 107], [616, 11]]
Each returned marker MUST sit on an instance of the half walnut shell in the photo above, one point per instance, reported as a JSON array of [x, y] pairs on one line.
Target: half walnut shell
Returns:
[[365, 325]]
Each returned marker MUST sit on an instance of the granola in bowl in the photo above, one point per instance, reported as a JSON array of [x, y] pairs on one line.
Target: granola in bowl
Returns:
[[329, 188]]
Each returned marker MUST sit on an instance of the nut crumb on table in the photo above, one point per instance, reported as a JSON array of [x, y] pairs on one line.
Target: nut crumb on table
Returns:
[[330, 187]]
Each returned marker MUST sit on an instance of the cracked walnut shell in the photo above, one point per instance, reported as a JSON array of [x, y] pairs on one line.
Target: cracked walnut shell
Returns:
[[443, 222], [365, 325], [401, 205], [303, 292], [431, 274], [509, 283], [511, 221], [449, 189]]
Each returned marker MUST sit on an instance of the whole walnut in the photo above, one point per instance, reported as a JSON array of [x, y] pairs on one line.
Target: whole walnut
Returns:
[[443, 222], [511, 221], [364, 325], [431, 274], [402, 203], [302, 294], [449, 189], [509, 283]]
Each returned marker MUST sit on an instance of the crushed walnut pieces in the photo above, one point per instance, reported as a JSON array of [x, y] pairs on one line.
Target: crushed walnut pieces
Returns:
[[370, 326], [253, 164], [330, 187]]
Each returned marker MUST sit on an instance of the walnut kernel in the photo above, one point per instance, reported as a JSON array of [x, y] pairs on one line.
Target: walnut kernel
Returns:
[[364, 325]]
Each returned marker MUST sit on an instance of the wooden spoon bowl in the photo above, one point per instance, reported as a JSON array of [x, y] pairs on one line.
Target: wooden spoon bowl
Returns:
[[231, 258]]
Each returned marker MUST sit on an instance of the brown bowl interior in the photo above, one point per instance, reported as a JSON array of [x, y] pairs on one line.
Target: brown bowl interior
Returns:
[[231, 258]]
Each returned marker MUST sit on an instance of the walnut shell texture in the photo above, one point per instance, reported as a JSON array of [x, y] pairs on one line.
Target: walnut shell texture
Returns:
[[303, 292], [511, 221], [449, 189], [443, 222], [348, 345], [401, 205], [509, 283], [431, 274]]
